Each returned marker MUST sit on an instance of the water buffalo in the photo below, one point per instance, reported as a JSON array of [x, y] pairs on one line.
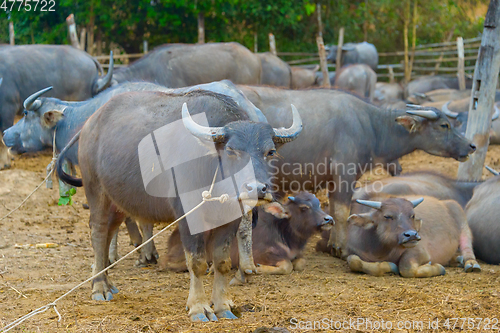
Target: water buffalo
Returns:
[[344, 137], [112, 172], [439, 95], [275, 72], [355, 53], [427, 83], [26, 69], [359, 79], [412, 236], [36, 130], [426, 183], [387, 91], [181, 65], [279, 237], [482, 214], [303, 77]]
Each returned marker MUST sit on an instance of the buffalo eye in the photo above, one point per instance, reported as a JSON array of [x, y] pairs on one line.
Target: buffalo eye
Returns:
[[231, 152], [412, 217], [445, 126], [271, 153], [388, 217], [303, 208], [25, 112]]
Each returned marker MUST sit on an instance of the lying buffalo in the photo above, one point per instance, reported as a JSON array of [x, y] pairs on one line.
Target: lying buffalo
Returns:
[[427, 83], [388, 91], [26, 69], [355, 53], [389, 234], [439, 95], [359, 79], [426, 183], [115, 176], [482, 214], [181, 65], [344, 137], [278, 239]]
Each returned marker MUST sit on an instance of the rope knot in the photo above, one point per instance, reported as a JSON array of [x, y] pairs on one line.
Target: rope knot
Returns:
[[206, 195], [223, 198]]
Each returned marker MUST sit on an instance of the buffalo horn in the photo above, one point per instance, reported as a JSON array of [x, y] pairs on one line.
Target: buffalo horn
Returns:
[[369, 203], [496, 113], [215, 134], [283, 135], [493, 171], [428, 114], [447, 111], [31, 103], [416, 202], [104, 82]]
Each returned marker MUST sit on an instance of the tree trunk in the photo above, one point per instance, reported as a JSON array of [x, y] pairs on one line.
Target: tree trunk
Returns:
[[340, 43]]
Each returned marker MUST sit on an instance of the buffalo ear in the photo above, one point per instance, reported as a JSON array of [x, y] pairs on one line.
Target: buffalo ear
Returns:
[[51, 118], [276, 210], [411, 124], [361, 220]]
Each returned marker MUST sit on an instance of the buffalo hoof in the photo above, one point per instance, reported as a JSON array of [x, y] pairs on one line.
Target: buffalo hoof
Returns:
[[443, 271], [472, 267], [147, 259], [102, 297], [203, 318], [394, 268], [226, 314], [114, 290]]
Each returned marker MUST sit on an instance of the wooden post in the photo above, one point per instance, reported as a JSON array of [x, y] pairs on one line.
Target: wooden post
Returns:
[[145, 46], [70, 21], [340, 43], [98, 43], [483, 94], [272, 44], [391, 74], [414, 36], [12, 34], [255, 42], [320, 24], [322, 61], [405, 36], [83, 38], [201, 28], [461, 64]]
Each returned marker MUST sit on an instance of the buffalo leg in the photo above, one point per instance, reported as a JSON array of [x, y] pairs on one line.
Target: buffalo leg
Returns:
[[283, 267], [372, 268], [148, 252], [113, 248], [133, 232], [222, 238], [299, 264], [244, 235], [411, 265]]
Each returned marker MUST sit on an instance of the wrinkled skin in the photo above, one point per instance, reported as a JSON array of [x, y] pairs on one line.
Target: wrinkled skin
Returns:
[[482, 214], [27, 69], [355, 53], [412, 242], [350, 136], [359, 79]]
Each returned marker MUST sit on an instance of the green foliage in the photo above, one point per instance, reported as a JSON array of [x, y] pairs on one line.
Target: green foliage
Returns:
[[294, 23], [67, 199]]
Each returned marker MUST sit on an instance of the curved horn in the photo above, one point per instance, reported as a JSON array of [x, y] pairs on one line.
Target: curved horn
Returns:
[[31, 103], [427, 114], [493, 171], [369, 203], [416, 202], [292, 199], [447, 112], [103, 83], [215, 134], [496, 114], [282, 135], [420, 95]]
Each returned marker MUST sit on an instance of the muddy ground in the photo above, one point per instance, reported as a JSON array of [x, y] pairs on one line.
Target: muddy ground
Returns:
[[153, 301]]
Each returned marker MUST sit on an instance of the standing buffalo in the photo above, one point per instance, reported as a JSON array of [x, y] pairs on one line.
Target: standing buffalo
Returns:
[[482, 212], [303, 77], [112, 172], [275, 72], [355, 53], [391, 236], [73, 74], [181, 65], [359, 79], [344, 137]]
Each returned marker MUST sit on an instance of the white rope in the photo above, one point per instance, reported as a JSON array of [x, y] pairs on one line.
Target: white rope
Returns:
[[206, 196], [49, 173]]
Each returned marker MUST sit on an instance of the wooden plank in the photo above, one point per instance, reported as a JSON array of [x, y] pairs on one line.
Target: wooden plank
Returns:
[[441, 69], [340, 43], [461, 64], [301, 61], [322, 61], [483, 95]]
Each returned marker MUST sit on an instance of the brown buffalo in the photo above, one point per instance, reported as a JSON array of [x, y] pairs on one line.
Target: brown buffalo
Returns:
[[275, 72], [358, 78], [302, 77], [387, 234], [483, 212]]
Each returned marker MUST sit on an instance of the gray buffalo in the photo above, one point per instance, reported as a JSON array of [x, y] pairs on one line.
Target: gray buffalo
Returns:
[[482, 212], [112, 174], [427, 83], [303, 78], [359, 79], [344, 137], [275, 72], [355, 53], [413, 236], [73, 74], [181, 65]]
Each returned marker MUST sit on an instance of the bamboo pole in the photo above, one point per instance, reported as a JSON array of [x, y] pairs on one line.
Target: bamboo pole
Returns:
[[201, 28], [340, 43], [414, 36], [272, 44], [255, 42], [405, 36], [461, 64], [483, 94], [12, 35]]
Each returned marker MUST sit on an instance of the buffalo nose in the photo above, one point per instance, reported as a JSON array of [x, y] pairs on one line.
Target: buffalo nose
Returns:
[[327, 219], [258, 189], [411, 235], [473, 147]]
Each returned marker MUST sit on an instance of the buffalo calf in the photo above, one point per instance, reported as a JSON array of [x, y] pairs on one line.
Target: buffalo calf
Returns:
[[391, 236]]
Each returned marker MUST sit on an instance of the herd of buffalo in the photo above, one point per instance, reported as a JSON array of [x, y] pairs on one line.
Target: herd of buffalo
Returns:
[[260, 112]]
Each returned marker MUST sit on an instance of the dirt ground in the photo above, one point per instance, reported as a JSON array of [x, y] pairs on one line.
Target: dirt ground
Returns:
[[154, 301]]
